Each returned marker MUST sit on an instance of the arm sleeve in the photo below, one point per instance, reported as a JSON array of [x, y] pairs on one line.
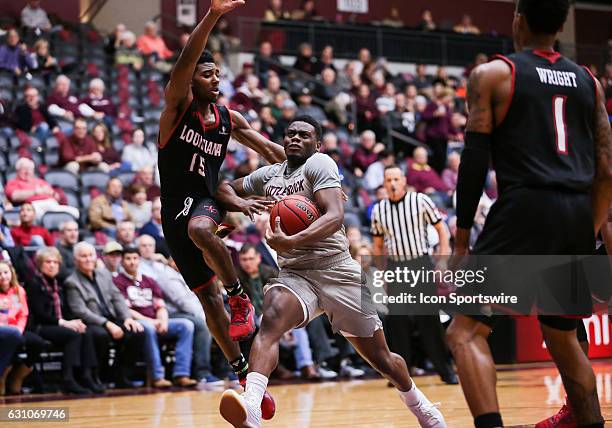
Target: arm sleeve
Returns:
[[432, 215], [322, 172], [473, 171], [376, 229], [253, 184]]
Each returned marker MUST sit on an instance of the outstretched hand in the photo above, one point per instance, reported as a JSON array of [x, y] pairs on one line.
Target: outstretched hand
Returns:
[[225, 6]]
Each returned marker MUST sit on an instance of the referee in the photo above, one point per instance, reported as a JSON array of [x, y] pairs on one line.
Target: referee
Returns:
[[399, 229]]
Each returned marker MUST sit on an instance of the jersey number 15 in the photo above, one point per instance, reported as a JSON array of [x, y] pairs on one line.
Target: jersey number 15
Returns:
[[198, 161]]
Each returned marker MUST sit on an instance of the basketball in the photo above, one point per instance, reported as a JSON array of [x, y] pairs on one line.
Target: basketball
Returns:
[[296, 214]]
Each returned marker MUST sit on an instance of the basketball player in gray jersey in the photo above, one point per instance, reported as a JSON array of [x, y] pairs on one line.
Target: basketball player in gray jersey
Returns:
[[317, 276]]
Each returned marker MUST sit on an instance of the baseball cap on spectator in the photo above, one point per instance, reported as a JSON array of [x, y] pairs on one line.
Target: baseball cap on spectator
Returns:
[[304, 91], [113, 247]]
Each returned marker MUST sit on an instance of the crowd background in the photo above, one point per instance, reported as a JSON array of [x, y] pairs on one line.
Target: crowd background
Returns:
[[85, 269]]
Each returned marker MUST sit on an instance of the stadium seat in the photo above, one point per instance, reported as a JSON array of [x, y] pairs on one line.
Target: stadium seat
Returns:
[[12, 217], [51, 157], [63, 179], [85, 200], [96, 179], [52, 220], [73, 198], [126, 178]]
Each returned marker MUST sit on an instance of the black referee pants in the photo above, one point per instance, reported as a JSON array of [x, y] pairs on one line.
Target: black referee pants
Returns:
[[400, 331]]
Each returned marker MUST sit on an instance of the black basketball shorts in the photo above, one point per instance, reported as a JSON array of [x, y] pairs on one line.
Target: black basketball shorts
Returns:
[[538, 221], [176, 215]]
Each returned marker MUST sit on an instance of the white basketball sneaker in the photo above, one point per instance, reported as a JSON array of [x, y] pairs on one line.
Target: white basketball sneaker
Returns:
[[428, 414], [238, 411]]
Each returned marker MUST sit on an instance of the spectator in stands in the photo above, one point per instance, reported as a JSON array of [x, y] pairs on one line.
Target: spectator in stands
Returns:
[[154, 228], [45, 62], [422, 177], [26, 187], [247, 70], [101, 136], [375, 175], [14, 56], [27, 233], [32, 117], [422, 81], [273, 88], [34, 17], [64, 106], [13, 319], [306, 62], [103, 106], [79, 152], [6, 238], [181, 302], [127, 53], [427, 23], [394, 19], [345, 79], [108, 210], [327, 59], [68, 239], [151, 43], [306, 12], [93, 298], [329, 87], [265, 60], [438, 116], [368, 116], [114, 39], [386, 101], [366, 154], [139, 154], [307, 108], [249, 96], [126, 234], [111, 258], [50, 318], [466, 26], [145, 177], [276, 12], [145, 299], [139, 207], [449, 175]]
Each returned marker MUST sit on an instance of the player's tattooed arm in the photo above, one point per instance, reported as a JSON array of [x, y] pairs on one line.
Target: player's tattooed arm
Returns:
[[602, 186], [246, 135]]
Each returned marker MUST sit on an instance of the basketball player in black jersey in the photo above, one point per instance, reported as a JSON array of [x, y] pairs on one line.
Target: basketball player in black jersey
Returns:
[[193, 137], [542, 121]]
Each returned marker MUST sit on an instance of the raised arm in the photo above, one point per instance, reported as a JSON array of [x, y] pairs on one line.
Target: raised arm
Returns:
[[476, 154], [242, 131], [602, 186], [178, 90]]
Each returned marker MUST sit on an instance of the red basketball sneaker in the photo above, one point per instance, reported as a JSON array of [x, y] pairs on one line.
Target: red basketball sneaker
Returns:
[[268, 406], [563, 419], [243, 317]]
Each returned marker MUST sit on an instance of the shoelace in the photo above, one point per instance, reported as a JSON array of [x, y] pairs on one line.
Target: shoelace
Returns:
[[239, 310], [426, 410]]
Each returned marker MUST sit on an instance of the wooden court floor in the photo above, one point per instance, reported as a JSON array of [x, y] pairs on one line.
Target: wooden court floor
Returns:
[[527, 395]]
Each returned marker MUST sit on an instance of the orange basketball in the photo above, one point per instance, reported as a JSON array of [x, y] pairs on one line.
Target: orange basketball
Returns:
[[296, 214]]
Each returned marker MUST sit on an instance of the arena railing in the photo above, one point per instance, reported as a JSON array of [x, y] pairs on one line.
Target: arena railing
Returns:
[[394, 44]]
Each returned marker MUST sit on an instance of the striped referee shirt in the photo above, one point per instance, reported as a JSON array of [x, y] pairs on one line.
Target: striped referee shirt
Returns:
[[403, 224]]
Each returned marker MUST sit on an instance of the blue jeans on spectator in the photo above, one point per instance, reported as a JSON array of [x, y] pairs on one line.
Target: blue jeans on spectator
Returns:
[[178, 328], [302, 352], [43, 131], [202, 341], [11, 338]]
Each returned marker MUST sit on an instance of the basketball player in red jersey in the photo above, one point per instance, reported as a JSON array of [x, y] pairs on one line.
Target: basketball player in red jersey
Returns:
[[542, 121], [193, 137]]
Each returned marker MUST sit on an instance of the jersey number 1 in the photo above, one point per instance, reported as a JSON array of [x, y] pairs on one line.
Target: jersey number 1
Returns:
[[559, 102], [201, 167]]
